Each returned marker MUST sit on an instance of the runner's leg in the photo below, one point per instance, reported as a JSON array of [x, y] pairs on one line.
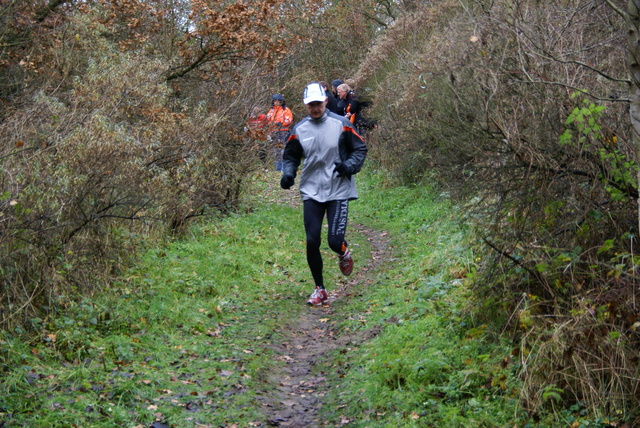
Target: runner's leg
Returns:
[[313, 213], [337, 214]]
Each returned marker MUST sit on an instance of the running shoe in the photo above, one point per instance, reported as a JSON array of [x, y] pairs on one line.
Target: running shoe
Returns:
[[345, 262], [318, 297]]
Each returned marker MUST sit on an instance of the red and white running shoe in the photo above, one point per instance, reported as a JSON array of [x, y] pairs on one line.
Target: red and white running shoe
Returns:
[[345, 262], [318, 297]]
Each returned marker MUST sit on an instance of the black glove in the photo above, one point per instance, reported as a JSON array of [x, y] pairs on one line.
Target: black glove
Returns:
[[286, 181], [341, 169]]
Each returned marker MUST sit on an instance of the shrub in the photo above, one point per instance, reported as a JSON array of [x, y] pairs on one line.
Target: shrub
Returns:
[[524, 123], [88, 173]]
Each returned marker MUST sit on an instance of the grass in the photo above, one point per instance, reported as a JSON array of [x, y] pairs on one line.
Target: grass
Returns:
[[432, 364], [176, 336], [182, 340]]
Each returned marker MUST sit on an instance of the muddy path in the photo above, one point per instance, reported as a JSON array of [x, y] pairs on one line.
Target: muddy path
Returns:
[[293, 394]]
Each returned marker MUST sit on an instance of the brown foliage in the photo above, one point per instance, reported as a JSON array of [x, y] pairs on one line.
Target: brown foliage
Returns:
[[231, 32], [330, 42], [100, 153]]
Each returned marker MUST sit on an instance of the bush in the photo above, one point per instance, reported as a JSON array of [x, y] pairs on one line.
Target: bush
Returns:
[[524, 123], [90, 172]]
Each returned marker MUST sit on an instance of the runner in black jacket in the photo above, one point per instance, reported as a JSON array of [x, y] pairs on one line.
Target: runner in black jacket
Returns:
[[332, 103], [348, 105]]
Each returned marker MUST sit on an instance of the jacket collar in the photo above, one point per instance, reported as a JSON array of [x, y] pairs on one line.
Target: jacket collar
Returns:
[[320, 119]]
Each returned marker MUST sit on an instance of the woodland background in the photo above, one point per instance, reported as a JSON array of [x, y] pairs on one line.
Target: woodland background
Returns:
[[123, 120]]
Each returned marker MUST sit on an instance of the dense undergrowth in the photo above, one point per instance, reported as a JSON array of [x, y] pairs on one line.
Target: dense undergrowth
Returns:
[[527, 126], [182, 340]]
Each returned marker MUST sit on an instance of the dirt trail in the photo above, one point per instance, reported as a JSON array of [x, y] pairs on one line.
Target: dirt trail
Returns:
[[293, 397]]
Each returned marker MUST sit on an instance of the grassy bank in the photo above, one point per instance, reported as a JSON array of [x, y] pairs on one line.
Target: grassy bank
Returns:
[[178, 340], [183, 339], [432, 364]]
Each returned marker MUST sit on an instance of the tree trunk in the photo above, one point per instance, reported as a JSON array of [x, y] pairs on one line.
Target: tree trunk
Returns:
[[633, 62]]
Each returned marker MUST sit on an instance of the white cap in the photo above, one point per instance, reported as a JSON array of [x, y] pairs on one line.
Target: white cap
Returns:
[[314, 92]]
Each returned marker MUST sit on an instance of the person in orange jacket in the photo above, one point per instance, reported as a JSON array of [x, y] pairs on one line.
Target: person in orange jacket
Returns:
[[280, 119]]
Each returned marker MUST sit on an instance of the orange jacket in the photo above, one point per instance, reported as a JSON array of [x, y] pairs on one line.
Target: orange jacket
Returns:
[[280, 119]]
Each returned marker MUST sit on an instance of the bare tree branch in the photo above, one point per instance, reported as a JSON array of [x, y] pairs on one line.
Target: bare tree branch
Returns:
[[204, 58], [582, 91], [374, 19], [46, 10], [615, 8], [517, 262], [582, 64]]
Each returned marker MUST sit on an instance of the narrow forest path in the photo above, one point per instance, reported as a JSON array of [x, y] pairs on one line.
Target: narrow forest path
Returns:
[[293, 394]]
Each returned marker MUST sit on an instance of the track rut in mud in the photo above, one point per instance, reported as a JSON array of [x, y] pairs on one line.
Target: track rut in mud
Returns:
[[293, 394]]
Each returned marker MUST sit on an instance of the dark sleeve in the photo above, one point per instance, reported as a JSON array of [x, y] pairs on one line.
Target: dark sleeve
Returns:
[[292, 156], [340, 106], [355, 106], [332, 104], [353, 150]]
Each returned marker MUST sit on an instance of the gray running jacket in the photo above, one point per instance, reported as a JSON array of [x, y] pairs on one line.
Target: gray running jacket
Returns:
[[322, 143]]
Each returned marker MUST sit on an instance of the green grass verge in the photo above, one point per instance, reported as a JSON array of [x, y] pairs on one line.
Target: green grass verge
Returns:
[[183, 338], [178, 340], [432, 364]]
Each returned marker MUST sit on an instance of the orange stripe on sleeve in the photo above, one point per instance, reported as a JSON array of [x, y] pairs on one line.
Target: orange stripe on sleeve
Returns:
[[353, 131]]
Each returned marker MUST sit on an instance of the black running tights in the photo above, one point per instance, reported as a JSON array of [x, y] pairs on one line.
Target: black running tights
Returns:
[[337, 212]]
